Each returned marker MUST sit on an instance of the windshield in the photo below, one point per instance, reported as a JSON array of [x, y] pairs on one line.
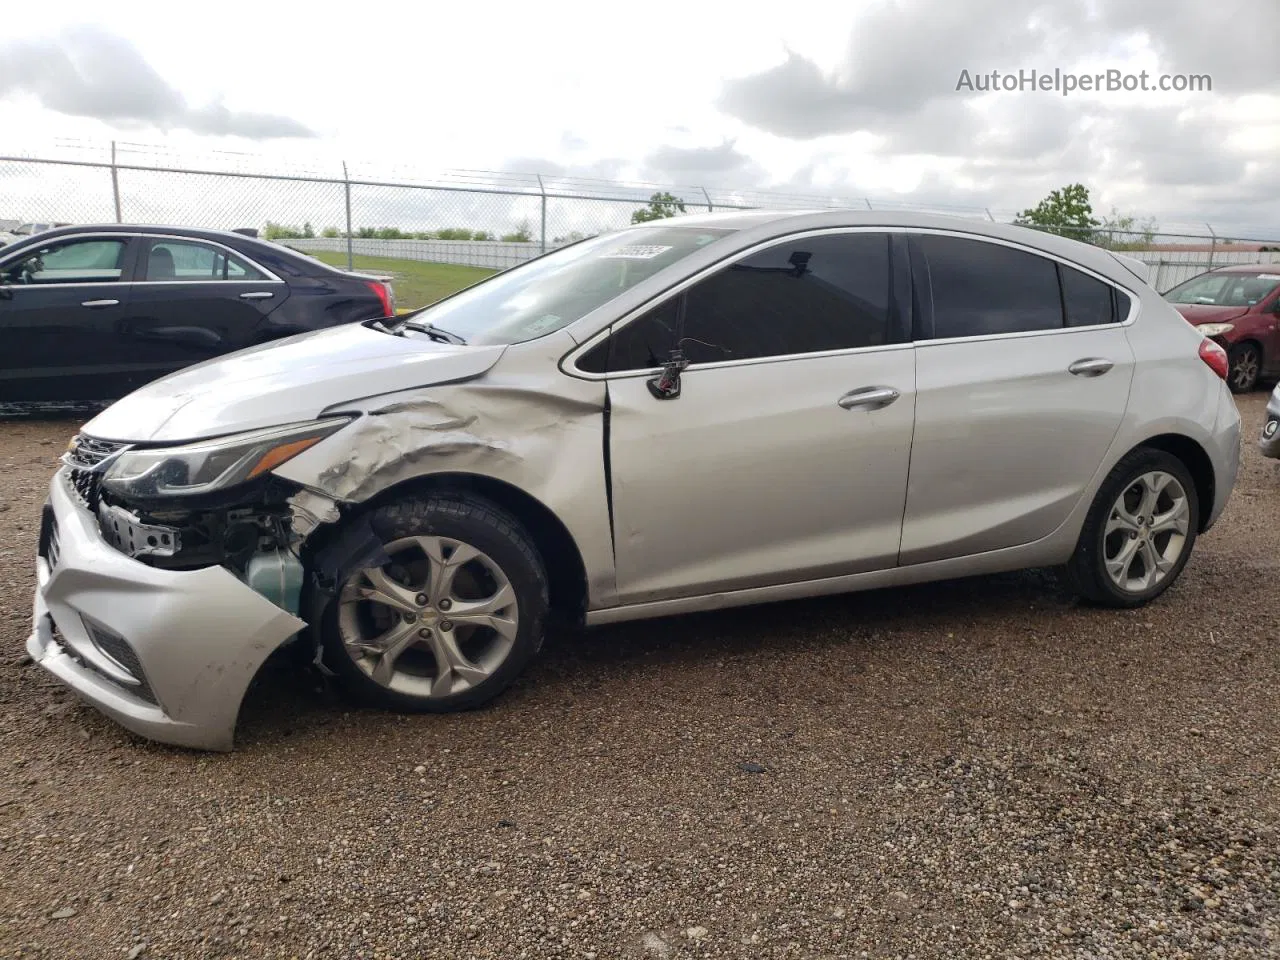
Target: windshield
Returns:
[[551, 292], [1225, 289]]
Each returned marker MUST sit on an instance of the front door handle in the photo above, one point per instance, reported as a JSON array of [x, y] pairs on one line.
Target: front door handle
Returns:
[[869, 398], [257, 295], [1090, 367], [93, 304]]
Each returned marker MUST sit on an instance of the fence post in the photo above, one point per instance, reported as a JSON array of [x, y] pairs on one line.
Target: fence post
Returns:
[[346, 185], [1213, 245], [115, 183], [542, 190], [710, 206]]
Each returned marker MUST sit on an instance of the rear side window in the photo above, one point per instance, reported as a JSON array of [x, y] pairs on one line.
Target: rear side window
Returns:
[[810, 295], [981, 289], [1123, 305], [178, 260], [1087, 302]]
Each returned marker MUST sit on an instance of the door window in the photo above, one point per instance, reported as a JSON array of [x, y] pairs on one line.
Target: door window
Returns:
[[981, 289], [809, 295], [74, 261], [181, 260]]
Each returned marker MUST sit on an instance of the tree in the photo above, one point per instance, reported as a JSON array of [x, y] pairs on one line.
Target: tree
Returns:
[[661, 205], [307, 231], [278, 231], [1066, 212], [330, 232], [1125, 232], [523, 234]]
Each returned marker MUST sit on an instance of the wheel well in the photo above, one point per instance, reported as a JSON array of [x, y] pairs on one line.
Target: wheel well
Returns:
[[566, 572], [1197, 463]]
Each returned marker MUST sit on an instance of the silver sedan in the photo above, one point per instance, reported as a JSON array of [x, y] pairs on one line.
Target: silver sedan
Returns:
[[684, 415]]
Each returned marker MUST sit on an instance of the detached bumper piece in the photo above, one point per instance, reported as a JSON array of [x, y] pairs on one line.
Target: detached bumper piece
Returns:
[[168, 654]]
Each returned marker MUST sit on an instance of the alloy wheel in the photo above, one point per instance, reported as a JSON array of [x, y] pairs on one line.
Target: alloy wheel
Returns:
[[1146, 532], [436, 621], [1244, 370]]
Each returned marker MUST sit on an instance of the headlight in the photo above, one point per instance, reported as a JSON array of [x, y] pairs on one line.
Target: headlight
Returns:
[[1215, 329], [209, 465]]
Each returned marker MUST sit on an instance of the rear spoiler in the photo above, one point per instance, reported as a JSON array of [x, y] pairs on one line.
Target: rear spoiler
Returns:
[[1139, 269]]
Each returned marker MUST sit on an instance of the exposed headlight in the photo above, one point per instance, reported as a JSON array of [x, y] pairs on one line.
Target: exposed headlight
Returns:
[[210, 465], [1215, 329]]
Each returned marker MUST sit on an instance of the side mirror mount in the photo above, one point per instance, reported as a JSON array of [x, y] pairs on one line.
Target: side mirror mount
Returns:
[[666, 386]]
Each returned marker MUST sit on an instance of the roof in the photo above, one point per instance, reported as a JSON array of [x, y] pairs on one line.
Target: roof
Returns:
[[757, 225], [142, 228]]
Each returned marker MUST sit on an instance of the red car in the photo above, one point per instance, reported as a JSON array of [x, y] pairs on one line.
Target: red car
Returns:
[[1239, 307]]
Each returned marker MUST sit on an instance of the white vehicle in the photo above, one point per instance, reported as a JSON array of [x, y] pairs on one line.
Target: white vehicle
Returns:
[[24, 230]]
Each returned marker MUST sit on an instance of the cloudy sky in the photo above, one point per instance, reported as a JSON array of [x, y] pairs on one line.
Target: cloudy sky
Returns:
[[844, 98]]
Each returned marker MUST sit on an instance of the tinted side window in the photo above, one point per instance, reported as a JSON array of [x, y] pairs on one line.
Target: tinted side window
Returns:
[[1087, 301], [980, 288], [806, 296], [1123, 302], [645, 342]]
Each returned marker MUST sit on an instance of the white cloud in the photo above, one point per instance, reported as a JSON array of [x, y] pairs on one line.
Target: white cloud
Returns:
[[848, 99]]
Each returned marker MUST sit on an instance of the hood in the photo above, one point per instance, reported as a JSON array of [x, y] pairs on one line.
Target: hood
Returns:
[[287, 381], [1198, 313]]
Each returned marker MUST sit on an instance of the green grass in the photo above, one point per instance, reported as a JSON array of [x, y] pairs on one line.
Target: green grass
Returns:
[[416, 282]]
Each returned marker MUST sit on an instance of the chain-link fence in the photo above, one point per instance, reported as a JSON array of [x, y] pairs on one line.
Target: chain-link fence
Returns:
[[345, 213]]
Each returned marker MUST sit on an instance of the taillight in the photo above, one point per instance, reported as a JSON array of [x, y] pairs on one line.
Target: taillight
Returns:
[[388, 310], [1215, 357]]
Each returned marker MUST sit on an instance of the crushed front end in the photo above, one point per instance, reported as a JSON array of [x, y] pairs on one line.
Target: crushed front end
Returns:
[[167, 576]]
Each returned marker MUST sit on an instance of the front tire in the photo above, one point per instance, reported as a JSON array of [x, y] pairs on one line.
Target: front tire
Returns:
[[1138, 534], [452, 620], [1245, 366]]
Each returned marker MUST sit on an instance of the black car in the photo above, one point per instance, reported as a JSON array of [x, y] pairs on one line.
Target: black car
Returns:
[[90, 313]]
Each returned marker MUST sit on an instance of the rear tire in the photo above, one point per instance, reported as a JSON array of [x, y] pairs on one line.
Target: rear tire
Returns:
[[1139, 532], [1245, 361], [465, 608]]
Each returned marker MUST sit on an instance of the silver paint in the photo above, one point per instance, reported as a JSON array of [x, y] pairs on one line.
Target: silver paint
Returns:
[[763, 481]]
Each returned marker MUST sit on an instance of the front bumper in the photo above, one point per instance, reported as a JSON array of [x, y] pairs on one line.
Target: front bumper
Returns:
[[167, 654], [1269, 438]]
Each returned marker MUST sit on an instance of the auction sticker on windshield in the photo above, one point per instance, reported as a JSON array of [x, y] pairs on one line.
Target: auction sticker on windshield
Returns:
[[636, 251]]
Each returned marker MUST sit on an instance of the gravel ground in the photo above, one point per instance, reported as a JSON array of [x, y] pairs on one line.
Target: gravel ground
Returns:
[[974, 769]]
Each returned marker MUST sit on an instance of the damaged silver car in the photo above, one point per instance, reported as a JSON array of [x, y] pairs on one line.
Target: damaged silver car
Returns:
[[680, 416]]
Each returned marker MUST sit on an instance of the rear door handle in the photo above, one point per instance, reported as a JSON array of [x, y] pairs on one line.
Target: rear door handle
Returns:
[[1090, 367], [257, 295], [868, 398], [92, 304]]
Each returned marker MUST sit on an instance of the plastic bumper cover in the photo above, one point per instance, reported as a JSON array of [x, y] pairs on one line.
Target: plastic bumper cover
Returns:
[[167, 654]]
